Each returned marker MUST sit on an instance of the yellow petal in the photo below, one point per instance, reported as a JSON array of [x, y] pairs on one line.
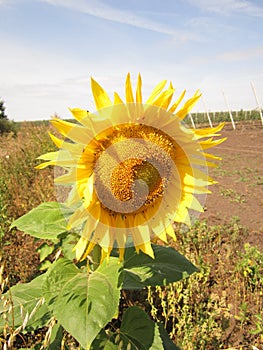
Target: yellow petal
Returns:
[[75, 132], [73, 196], [139, 90], [88, 191], [162, 236], [128, 90], [77, 218], [164, 99], [58, 142], [211, 156], [170, 231], [139, 219], [121, 239], [72, 147], [121, 254], [102, 235], [196, 190], [59, 158], [117, 99], [44, 165], [156, 92], [80, 247], [182, 216], [196, 161], [101, 97], [105, 254], [208, 132], [62, 155], [187, 106], [89, 227], [211, 143], [79, 114], [191, 202], [191, 181], [194, 173], [88, 250], [176, 104], [69, 178], [146, 248], [145, 232]]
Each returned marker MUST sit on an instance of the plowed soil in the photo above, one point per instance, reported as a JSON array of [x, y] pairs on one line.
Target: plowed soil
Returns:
[[239, 192]]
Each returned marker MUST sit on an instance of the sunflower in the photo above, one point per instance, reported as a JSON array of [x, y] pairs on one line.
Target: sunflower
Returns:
[[134, 168]]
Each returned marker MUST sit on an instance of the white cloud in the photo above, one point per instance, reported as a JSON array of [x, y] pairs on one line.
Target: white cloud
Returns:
[[228, 7], [101, 10], [7, 3], [36, 84], [10, 3], [242, 55]]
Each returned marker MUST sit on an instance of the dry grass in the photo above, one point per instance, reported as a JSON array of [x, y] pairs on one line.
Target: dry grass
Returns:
[[221, 306], [22, 186]]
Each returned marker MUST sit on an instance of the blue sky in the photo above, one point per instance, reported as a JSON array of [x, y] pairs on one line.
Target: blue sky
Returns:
[[51, 48]]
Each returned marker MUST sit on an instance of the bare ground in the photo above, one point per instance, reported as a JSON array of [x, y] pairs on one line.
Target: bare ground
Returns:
[[239, 192]]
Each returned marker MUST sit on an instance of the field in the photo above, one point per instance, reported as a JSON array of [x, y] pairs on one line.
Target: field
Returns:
[[239, 192], [220, 307]]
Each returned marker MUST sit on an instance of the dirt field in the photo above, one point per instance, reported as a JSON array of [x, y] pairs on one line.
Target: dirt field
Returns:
[[239, 192]]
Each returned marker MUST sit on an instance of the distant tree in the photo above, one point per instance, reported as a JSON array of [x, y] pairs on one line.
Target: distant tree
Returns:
[[6, 125], [2, 110]]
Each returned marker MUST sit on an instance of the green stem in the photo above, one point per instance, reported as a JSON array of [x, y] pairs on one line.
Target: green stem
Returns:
[[96, 256]]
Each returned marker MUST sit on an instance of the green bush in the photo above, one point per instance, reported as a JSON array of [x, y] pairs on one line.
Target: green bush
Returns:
[[7, 126]]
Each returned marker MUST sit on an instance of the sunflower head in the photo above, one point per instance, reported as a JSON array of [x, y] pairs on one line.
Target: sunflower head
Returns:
[[134, 169]]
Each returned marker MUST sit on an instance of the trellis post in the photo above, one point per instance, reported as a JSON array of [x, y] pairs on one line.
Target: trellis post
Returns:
[[207, 114], [229, 111], [259, 107]]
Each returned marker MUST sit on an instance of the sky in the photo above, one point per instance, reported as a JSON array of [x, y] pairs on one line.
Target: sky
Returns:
[[51, 48]]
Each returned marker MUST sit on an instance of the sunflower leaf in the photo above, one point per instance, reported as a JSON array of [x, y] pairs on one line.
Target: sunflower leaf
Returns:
[[62, 271], [140, 270], [44, 251], [138, 330], [82, 302], [104, 342], [46, 221], [56, 337], [27, 304]]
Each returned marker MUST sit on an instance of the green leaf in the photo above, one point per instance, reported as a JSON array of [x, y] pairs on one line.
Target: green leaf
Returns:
[[67, 244], [142, 333], [56, 337], [138, 330], [44, 265], [46, 221], [103, 342], [140, 270], [135, 320], [45, 250], [27, 297], [83, 302], [62, 271], [167, 342]]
